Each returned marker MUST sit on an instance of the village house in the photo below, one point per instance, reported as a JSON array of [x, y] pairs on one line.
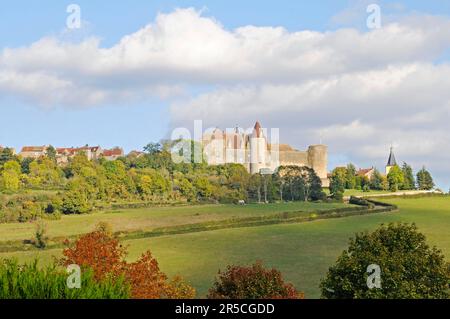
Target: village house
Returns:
[[64, 154], [33, 151], [366, 172], [112, 154], [136, 154]]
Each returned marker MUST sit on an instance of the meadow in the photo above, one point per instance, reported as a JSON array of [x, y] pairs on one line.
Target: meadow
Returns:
[[145, 219], [303, 252]]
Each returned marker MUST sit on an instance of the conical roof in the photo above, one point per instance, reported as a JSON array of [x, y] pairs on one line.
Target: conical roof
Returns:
[[257, 129], [391, 160]]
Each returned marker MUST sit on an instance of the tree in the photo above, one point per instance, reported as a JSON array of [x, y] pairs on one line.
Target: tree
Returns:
[[25, 165], [253, 282], [10, 176], [338, 182], [350, 179], [6, 155], [303, 183], [186, 188], [395, 178], [409, 267], [51, 153], [376, 182], [203, 187], [153, 148], [255, 186], [77, 198], [424, 180], [103, 253], [408, 177]]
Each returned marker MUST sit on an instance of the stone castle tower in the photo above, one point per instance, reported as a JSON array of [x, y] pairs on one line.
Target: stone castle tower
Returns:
[[257, 155]]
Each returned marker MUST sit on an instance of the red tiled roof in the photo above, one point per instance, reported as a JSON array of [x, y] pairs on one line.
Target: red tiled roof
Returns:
[[33, 149], [364, 171], [113, 152]]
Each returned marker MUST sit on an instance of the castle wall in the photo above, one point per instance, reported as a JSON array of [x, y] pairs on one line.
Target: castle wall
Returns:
[[252, 151], [294, 158]]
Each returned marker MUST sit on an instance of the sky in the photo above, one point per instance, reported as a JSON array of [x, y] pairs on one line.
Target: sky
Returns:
[[316, 70]]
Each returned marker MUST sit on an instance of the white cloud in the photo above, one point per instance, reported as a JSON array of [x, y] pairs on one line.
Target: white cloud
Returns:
[[184, 48], [359, 90]]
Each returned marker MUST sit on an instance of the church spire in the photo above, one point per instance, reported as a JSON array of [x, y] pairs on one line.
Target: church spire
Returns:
[[391, 160]]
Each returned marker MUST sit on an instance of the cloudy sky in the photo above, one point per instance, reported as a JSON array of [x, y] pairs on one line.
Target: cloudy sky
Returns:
[[134, 71]]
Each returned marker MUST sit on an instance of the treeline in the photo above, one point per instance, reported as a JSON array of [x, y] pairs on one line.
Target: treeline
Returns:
[[83, 185], [398, 178]]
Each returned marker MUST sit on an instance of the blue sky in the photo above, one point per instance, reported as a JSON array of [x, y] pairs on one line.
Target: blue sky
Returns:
[[132, 123]]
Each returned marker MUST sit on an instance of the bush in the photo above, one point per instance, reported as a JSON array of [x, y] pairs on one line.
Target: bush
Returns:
[[106, 257], [28, 281], [409, 267], [40, 235], [254, 282], [361, 202]]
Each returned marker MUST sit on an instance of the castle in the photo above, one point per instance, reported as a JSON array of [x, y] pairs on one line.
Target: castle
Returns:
[[257, 155]]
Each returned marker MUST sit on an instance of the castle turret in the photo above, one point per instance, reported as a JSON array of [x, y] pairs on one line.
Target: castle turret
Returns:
[[258, 149], [391, 161], [318, 160]]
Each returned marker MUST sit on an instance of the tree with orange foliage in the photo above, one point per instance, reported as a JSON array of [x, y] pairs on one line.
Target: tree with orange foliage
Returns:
[[103, 253]]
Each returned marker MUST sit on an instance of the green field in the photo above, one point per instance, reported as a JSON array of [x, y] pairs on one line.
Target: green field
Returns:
[[303, 252], [144, 219]]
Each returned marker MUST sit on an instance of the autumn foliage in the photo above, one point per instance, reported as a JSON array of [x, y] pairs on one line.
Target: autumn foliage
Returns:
[[103, 253], [253, 282]]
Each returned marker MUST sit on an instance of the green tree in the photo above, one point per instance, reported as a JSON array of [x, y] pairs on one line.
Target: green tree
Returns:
[[186, 188], [376, 182], [424, 180], [25, 165], [77, 198], [395, 178], [408, 177], [10, 176], [256, 186], [6, 155], [203, 187], [51, 153], [350, 179], [338, 181], [409, 267]]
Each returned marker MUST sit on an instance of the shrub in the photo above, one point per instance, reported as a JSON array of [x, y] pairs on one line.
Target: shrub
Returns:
[[40, 235], [253, 282], [361, 202], [28, 281], [106, 257], [409, 267]]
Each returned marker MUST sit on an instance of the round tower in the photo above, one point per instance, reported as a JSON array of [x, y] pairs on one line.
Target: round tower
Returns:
[[318, 159]]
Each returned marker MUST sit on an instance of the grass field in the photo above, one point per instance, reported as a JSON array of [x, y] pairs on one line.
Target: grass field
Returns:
[[303, 252], [149, 218]]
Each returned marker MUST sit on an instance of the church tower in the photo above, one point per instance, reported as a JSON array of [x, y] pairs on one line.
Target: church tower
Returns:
[[391, 161]]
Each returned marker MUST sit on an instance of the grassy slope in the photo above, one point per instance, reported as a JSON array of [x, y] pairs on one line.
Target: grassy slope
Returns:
[[303, 252], [149, 218]]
